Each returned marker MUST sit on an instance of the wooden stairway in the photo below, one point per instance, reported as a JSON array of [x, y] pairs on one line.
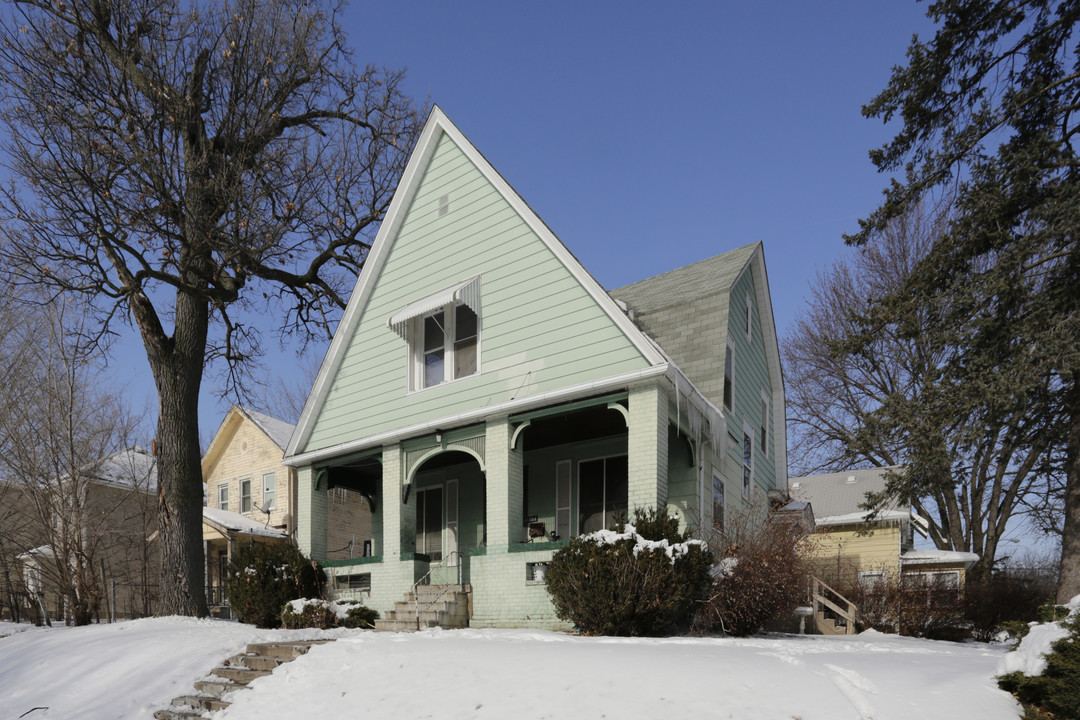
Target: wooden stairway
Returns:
[[427, 606], [234, 674], [834, 614]]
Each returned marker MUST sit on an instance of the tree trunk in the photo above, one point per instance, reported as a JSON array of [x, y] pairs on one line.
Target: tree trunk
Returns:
[[177, 365], [1069, 571]]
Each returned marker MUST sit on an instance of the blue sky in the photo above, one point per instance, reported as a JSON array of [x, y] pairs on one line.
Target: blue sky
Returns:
[[651, 135]]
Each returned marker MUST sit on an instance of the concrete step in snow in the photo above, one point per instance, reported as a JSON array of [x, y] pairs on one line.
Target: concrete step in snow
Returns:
[[200, 702], [283, 649], [216, 688], [239, 675], [178, 713]]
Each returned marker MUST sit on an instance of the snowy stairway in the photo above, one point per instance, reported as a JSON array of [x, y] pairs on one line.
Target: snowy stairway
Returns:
[[259, 660], [445, 606]]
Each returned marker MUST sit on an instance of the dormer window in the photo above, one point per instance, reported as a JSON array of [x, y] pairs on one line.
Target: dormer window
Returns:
[[443, 332]]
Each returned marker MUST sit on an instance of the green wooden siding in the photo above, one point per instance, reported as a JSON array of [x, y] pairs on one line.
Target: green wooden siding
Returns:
[[540, 329], [751, 377]]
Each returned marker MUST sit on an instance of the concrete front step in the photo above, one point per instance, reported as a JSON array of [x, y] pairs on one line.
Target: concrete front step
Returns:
[[216, 688], [239, 675], [235, 673], [200, 702], [178, 713], [439, 606]]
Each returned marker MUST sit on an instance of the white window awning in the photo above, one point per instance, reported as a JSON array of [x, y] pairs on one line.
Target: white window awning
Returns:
[[466, 292]]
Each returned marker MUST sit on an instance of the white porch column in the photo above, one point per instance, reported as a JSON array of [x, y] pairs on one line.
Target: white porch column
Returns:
[[398, 518], [310, 514], [647, 444], [505, 486]]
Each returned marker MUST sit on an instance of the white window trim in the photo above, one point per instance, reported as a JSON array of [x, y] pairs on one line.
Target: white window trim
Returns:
[[223, 487], [416, 348], [748, 483], [730, 347]]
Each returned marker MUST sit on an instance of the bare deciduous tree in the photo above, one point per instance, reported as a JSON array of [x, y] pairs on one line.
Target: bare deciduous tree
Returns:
[[73, 504], [858, 401], [185, 166]]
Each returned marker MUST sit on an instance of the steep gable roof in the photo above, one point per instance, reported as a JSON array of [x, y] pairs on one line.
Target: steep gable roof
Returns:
[[277, 431], [437, 132], [711, 276], [685, 311]]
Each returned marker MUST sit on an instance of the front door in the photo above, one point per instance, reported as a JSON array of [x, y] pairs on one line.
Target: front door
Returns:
[[429, 522]]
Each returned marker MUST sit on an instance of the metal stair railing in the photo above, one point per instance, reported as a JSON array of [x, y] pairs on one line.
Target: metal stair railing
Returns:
[[820, 593], [426, 581]]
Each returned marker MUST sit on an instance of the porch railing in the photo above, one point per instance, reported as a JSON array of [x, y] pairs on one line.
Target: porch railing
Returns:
[[827, 600]]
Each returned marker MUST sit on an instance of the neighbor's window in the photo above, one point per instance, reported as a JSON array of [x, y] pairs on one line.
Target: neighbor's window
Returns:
[[223, 496], [245, 495], [603, 490], [269, 491]]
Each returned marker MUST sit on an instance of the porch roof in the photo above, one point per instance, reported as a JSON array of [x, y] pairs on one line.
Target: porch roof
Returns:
[[228, 524]]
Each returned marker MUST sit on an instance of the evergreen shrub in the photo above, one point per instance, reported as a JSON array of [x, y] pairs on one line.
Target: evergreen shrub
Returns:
[[1057, 689], [326, 614], [359, 616], [645, 578], [262, 577]]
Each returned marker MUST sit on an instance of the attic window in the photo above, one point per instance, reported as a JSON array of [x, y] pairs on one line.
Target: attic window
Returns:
[[444, 205], [443, 332], [850, 479]]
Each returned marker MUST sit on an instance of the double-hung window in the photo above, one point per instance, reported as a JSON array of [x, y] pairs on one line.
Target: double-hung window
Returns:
[[603, 486], [223, 496], [443, 332], [269, 491], [245, 495], [729, 376]]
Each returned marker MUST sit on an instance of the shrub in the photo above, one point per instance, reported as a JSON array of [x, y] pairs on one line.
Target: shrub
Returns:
[[1057, 689], [326, 614], [359, 616], [761, 574], [643, 579], [263, 577], [309, 613], [1004, 602]]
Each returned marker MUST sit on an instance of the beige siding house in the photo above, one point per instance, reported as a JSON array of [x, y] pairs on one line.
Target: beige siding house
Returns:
[[490, 400], [251, 497], [856, 549]]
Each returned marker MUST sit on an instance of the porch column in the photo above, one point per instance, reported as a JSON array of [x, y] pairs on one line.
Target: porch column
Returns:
[[398, 518], [505, 486], [310, 515], [647, 443]]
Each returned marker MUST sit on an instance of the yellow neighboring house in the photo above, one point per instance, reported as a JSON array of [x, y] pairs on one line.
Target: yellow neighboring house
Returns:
[[251, 497], [850, 548]]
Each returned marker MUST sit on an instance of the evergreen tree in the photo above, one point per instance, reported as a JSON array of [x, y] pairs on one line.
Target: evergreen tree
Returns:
[[990, 111]]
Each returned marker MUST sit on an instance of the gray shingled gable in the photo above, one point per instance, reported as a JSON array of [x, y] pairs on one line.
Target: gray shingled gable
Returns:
[[833, 494], [686, 312]]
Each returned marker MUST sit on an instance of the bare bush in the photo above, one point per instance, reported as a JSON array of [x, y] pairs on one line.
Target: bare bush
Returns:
[[762, 572]]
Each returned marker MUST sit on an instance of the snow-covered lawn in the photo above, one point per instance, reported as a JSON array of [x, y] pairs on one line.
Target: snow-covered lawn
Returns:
[[129, 669]]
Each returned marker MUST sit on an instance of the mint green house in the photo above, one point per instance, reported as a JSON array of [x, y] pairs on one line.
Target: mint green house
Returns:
[[491, 400]]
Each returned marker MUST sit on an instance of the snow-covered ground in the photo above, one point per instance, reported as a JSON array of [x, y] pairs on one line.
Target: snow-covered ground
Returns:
[[127, 670]]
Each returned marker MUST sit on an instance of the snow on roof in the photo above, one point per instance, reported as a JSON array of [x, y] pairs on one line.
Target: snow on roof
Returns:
[[277, 430], [132, 468], [229, 522], [41, 551], [841, 493], [862, 516], [925, 557]]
